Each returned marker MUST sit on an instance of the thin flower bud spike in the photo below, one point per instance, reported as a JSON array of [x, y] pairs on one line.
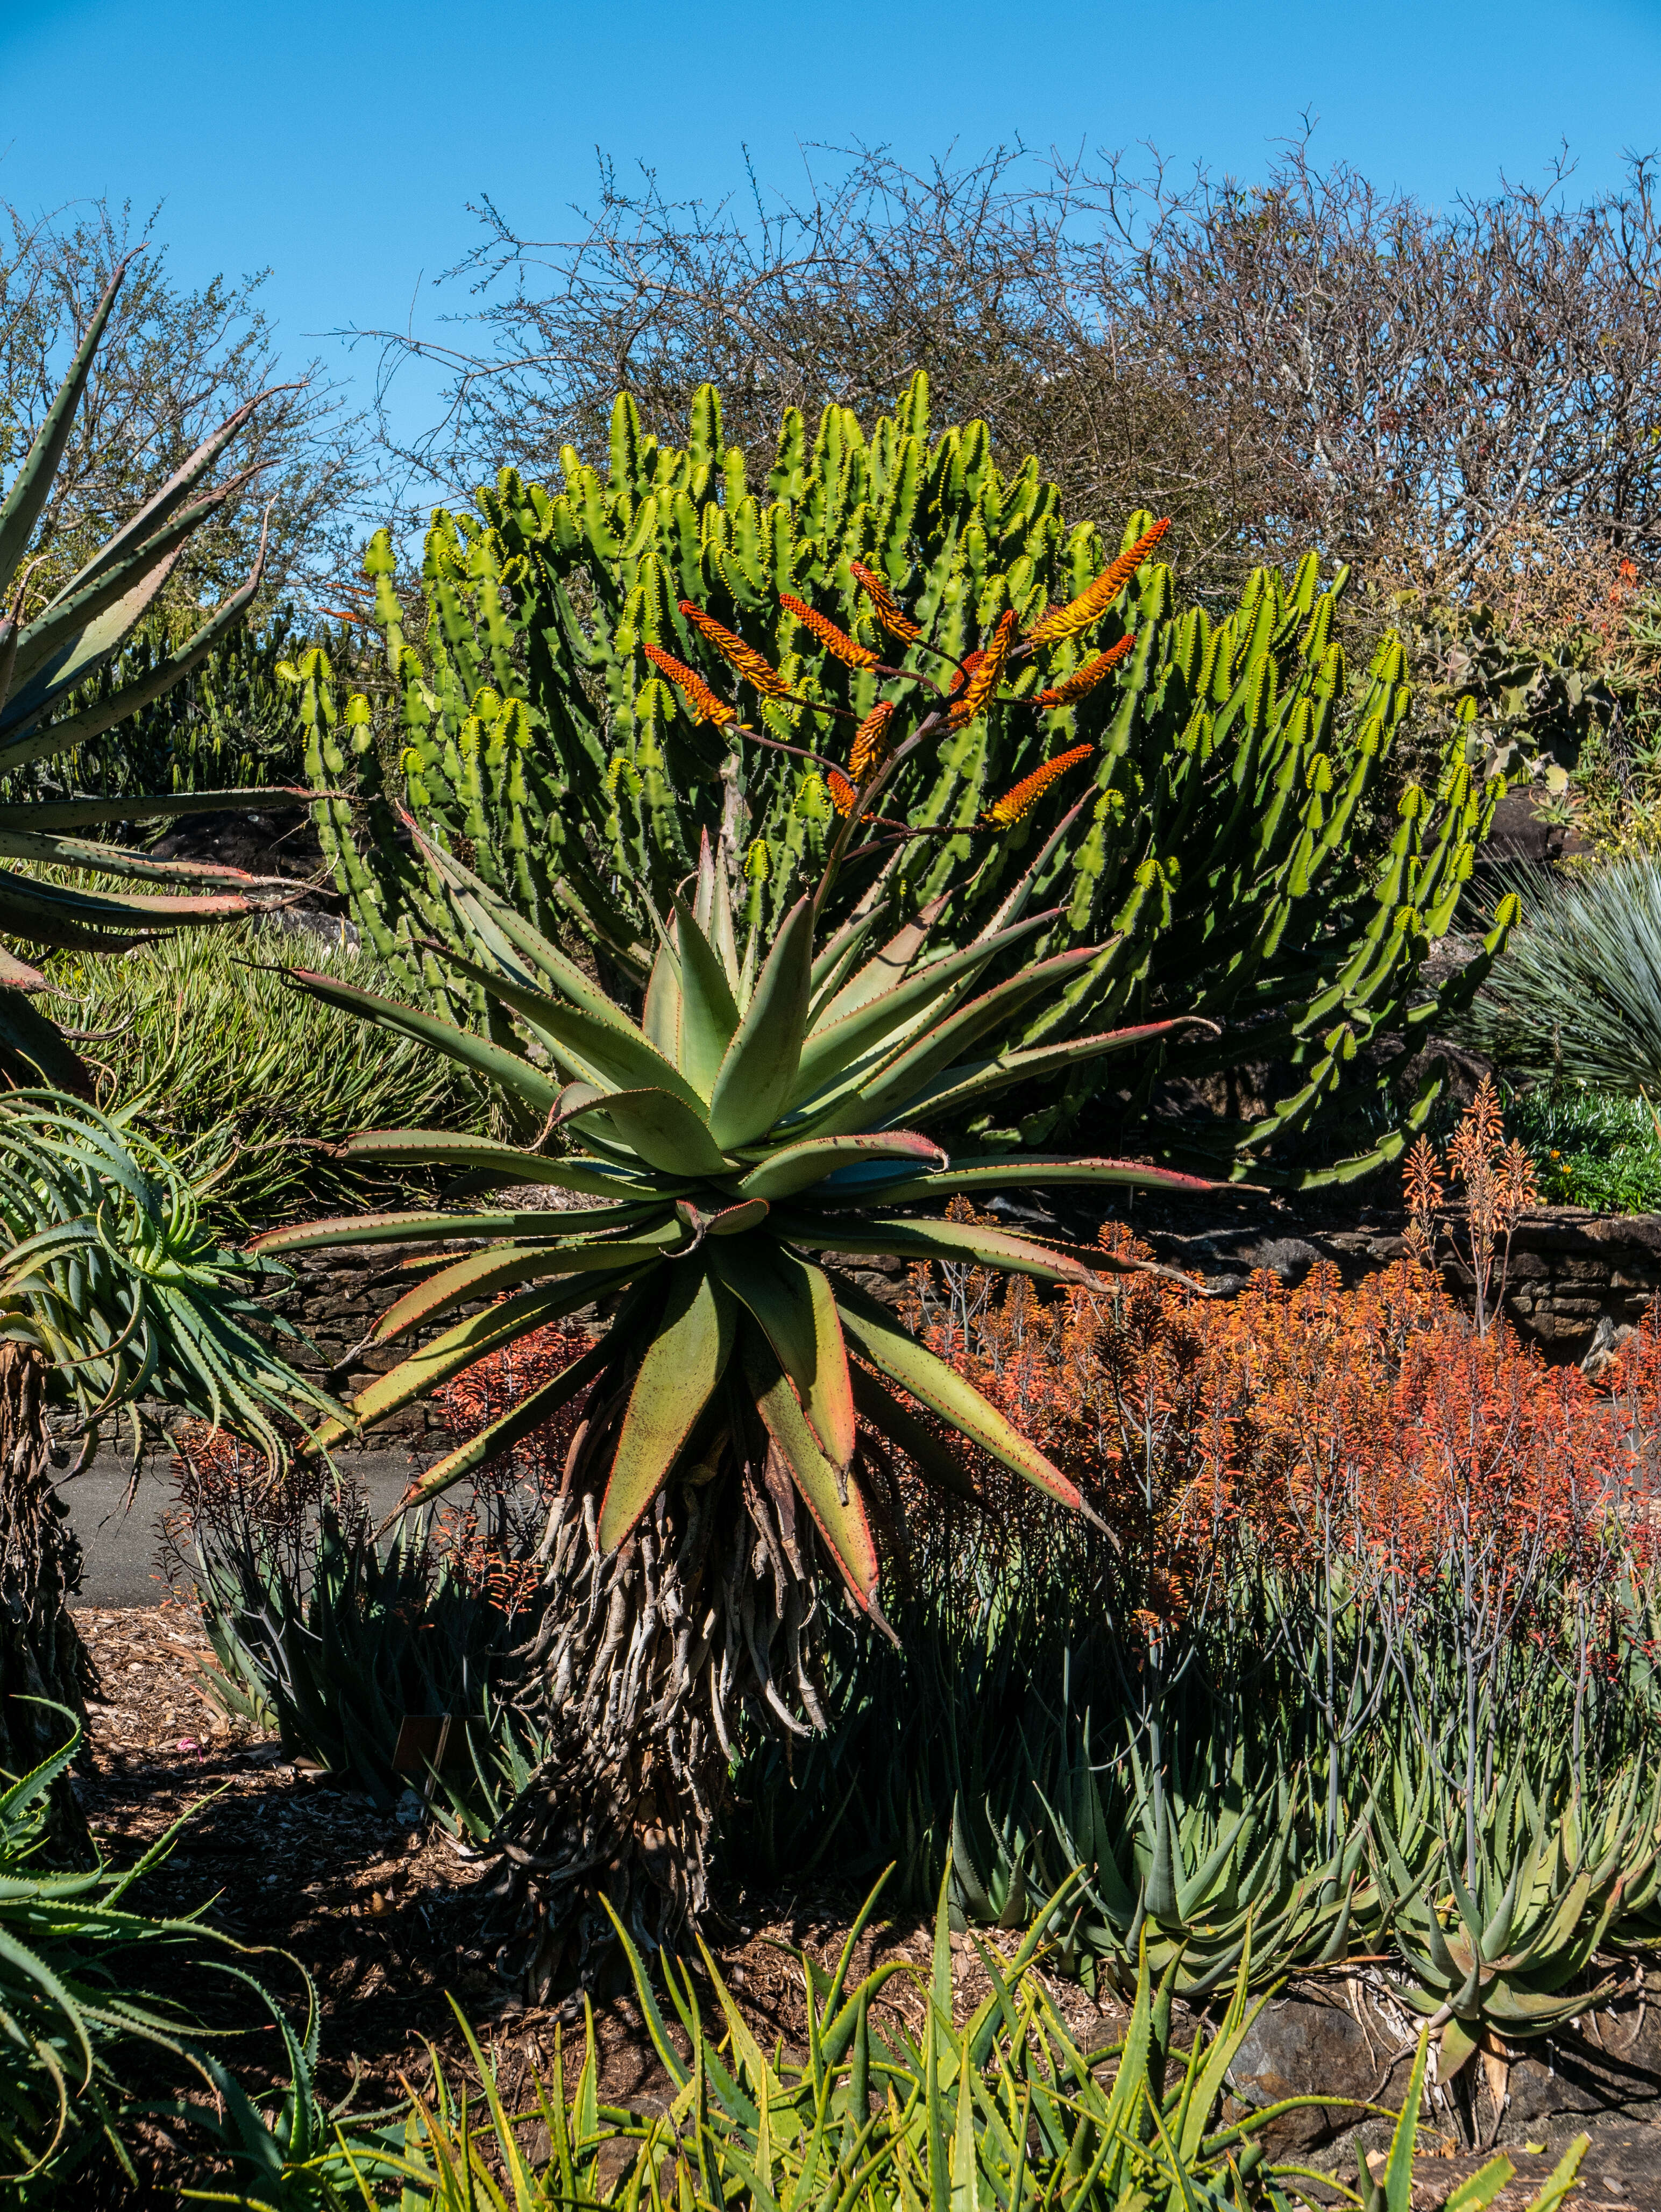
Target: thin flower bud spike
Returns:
[[1015, 805], [884, 606], [988, 672], [751, 665], [1073, 688], [692, 686], [1078, 614], [834, 639], [870, 742]]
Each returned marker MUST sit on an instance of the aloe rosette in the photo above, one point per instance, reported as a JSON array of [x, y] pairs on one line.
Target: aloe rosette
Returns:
[[766, 1122]]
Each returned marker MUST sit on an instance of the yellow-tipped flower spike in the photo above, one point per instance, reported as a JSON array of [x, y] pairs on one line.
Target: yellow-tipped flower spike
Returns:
[[989, 669], [750, 664], [692, 686], [836, 640], [1073, 688], [1016, 803], [884, 606], [870, 742], [1090, 605]]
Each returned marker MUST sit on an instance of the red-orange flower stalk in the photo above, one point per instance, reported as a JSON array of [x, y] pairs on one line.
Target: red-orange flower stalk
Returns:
[[753, 666], [834, 639], [1078, 614], [1020, 800], [692, 686], [1073, 688], [884, 606]]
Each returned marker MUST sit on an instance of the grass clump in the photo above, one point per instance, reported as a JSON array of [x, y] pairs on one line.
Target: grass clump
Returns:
[[201, 1042]]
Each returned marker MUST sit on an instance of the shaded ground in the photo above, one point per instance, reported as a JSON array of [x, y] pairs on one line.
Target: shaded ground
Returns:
[[385, 1918]]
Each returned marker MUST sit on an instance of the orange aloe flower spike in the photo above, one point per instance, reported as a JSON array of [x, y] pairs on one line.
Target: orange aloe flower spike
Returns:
[[967, 668], [751, 665], [843, 793], [870, 742], [1020, 801], [836, 640], [1072, 689], [989, 669], [1080, 612], [885, 607], [692, 686]]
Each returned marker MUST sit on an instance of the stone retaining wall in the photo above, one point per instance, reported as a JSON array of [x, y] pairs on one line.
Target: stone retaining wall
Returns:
[[1575, 1283]]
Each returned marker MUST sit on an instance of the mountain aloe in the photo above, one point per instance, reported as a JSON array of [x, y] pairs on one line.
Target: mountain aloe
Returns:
[[49, 655], [759, 1131]]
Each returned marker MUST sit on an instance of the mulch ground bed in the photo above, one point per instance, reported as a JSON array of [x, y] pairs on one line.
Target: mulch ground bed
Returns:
[[384, 1915]]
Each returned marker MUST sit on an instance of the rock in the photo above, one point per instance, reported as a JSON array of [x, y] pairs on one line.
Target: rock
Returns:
[[1288, 1257], [1606, 1341], [1298, 2049]]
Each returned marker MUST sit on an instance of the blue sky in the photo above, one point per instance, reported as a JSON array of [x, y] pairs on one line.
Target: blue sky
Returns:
[[339, 144]]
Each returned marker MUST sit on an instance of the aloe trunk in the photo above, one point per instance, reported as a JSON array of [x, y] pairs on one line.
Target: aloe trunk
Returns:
[[42, 1655]]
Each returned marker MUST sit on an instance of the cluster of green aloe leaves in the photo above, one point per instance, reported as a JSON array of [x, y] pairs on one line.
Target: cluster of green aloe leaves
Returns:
[[765, 1115]]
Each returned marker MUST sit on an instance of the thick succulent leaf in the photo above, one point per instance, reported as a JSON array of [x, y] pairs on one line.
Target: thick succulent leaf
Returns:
[[429, 1226], [798, 1167], [31, 1044], [792, 1302], [956, 1088], [1014, 905], [143, 524], [27, 499], [504, 1433], [885, 1185], [42, 847], [709, 1012], [874, 1096], [480, 903], [736, 1221], [685, 1358], [447, 1355], [961, 1241], [759, 1071], [58, 814], [660, 1020], [613, 1054], [842, 1520], [74, 637], [876, 1404], [895, 1351], [884, 972], [492, 1061], [482, 1275], [665, 1132], [26, 740], [449, 1148], [882, 1021]]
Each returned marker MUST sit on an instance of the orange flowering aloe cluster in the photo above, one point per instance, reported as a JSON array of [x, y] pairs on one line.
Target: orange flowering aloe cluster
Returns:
[[935, 694]]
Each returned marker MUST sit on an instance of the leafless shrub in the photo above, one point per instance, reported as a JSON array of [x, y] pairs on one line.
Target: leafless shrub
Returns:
[[1310, 361]]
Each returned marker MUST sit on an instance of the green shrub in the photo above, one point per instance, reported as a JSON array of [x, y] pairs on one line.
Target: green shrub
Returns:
[[1592, 1148], [96, 2034], [200, 1042]]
